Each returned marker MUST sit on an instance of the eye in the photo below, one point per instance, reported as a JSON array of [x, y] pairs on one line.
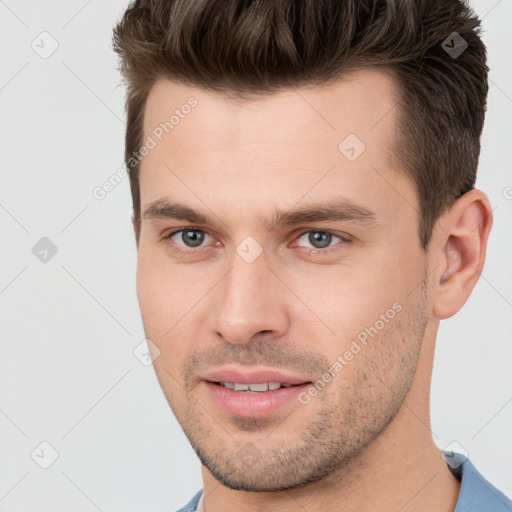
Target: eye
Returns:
[[320, 241], [188, 238], [191, 239]]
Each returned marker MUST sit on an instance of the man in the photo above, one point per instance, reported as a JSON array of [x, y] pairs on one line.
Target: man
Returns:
[[305, 214]]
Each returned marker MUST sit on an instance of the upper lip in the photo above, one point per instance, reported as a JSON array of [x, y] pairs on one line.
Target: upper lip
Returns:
[[245, 376]]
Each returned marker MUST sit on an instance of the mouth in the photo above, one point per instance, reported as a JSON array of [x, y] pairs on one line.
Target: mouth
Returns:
[[254, 400], [256, 387]]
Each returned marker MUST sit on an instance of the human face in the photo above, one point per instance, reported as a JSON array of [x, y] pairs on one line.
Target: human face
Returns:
[[236, 296]]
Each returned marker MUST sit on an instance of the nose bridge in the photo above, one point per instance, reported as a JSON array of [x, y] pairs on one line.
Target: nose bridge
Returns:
[[249, 301]]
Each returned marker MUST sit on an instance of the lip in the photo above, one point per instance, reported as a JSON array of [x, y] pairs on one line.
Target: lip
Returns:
[[245, 376], [253, 404], [256, 404]]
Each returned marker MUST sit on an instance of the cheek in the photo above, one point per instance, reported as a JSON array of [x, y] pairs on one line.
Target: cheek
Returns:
[[353, 303], [151, 292], [161, 302], [168, 299], [345, 297], [162, 290]]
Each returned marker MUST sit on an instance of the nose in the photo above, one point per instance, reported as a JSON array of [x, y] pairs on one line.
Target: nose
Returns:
[[250, 300]]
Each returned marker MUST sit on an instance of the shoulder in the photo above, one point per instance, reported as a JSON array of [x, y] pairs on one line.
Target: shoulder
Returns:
[[477, 494]]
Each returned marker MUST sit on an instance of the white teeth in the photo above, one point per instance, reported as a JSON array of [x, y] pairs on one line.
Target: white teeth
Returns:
[[258, 387], [264, 386]]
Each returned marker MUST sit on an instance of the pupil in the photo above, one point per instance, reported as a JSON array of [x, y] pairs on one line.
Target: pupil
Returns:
[[320, 239], [192, 238]]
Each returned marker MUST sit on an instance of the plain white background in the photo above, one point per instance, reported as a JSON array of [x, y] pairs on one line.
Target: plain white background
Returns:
[[69, 326]]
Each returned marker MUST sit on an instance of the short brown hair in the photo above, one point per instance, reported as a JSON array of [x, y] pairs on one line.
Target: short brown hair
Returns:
[[246, 48]]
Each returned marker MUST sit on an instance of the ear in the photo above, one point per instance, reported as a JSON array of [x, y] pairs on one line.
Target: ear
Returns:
[[460, 247]]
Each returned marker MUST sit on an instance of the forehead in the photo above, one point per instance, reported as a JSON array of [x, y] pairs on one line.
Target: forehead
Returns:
[[281, 147], [360, 103]]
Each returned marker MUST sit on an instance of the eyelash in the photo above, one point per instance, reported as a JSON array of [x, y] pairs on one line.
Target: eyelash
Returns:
[[309, 251]]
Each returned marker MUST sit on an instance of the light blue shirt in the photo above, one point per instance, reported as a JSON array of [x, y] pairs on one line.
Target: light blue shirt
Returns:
[[476, 493]]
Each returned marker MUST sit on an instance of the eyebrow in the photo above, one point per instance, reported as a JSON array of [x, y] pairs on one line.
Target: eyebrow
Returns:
[[337, 210]]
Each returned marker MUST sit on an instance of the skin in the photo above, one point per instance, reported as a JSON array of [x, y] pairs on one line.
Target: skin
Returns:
[[363, 443]]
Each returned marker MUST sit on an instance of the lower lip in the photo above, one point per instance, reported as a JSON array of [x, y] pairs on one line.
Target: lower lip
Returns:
[[253, 405]]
